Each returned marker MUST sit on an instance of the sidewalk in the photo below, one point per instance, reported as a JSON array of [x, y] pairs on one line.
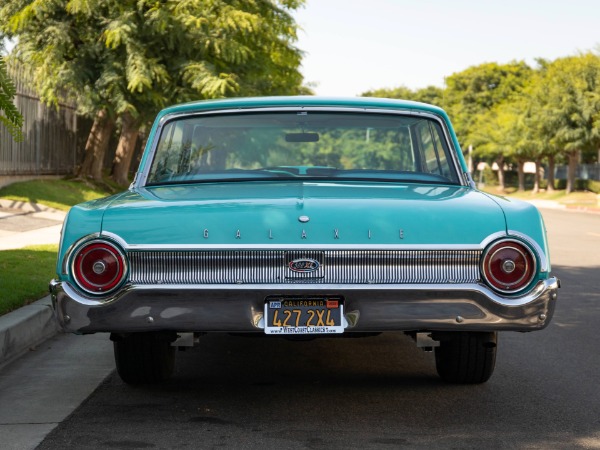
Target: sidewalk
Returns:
[[21, 225], [34, 354]]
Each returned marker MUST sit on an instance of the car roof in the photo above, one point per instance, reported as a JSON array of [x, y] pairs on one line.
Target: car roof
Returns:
[[302, 101]]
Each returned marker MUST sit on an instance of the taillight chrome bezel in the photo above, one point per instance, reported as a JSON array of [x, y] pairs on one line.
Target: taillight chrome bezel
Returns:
[[112, 252], [518, 248]]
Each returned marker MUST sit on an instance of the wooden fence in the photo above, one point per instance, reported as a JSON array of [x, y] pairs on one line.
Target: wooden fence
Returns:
[[52, 138]]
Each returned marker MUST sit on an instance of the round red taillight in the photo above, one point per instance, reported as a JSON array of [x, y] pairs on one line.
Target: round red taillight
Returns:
[[98, 267], [508, 266]]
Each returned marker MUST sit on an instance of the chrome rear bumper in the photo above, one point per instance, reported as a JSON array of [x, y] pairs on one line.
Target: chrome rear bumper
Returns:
[[368, 308]]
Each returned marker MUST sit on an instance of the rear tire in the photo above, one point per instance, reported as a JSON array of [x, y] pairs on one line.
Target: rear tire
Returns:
[[144, 357], [466, 357]]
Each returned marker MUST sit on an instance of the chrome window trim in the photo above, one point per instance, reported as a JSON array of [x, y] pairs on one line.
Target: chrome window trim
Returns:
[[469, 180], [142, 179]]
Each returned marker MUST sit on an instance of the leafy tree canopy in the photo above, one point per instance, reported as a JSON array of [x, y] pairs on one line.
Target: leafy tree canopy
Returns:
[[568, 95], [10, 117], [139, 55], [128, 59], [431, 94], [478, 89]]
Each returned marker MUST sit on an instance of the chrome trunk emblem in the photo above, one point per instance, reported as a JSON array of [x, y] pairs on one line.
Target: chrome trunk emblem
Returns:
[[303, 219], [304, 265]]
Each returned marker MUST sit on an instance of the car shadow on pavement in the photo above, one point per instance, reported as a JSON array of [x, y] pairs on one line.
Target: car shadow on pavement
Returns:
[[374, 392]]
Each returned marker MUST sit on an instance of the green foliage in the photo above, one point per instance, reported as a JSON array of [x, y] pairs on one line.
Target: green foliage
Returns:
[[502, 133], [491, 135], [514, 113], [9, 114], [567, 97], [138, 56], [478, 90], [24, 275], [400, 92], [593, 186], [431, 94], [581, 185], [489, 177]]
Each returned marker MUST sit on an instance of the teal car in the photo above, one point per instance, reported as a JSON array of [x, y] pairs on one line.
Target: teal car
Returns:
[[303, 217]]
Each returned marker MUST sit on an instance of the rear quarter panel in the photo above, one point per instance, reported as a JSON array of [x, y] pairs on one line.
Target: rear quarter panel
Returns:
[[525, 218]]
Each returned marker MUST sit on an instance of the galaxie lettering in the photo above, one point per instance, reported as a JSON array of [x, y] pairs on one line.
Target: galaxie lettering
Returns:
[[303, 235]]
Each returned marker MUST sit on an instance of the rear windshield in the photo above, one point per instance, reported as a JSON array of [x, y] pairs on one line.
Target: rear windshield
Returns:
[[300, 145]]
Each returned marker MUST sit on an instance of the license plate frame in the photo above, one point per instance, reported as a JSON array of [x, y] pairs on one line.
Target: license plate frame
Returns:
[[305, 315]]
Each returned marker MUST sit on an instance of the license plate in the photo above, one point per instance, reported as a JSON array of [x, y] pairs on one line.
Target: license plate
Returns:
[[314, 315]]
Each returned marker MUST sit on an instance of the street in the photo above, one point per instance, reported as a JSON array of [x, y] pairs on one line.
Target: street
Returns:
[[378, 392]]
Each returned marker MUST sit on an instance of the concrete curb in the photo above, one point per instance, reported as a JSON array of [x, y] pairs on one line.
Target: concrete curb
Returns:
[[26, 327], [587, 209]]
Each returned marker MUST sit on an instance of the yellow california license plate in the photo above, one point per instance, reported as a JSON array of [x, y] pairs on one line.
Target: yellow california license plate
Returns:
[[306, 315]]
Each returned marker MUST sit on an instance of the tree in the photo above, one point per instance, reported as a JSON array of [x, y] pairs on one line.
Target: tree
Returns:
[[569, 108], [9, 114], [125, 60], [400, 92], [493, 138], [430, 94], [479, 89], [538, 127], [478, 100]]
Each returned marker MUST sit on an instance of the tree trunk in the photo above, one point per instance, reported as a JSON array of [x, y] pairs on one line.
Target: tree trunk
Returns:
[[521, 174], [125, 149], [551, 168], [536, 177], [501, 182], [572, 170], [96, 145]]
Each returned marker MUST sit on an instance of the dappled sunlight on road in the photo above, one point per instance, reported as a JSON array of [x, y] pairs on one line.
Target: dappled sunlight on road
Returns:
[[592, 442]]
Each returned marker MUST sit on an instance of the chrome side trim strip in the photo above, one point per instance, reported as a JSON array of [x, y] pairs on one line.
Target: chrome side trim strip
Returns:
[[200, 247], [492, 237], [310, 247]]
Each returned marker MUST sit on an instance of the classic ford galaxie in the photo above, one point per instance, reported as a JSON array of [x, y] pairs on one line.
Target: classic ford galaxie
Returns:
[[303, 217]]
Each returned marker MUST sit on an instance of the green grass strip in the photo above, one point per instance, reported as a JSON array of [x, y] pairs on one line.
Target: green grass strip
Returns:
[[57, 194], [24, 275]]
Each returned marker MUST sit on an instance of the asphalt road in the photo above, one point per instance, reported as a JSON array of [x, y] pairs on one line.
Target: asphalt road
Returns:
[[371, 393]]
